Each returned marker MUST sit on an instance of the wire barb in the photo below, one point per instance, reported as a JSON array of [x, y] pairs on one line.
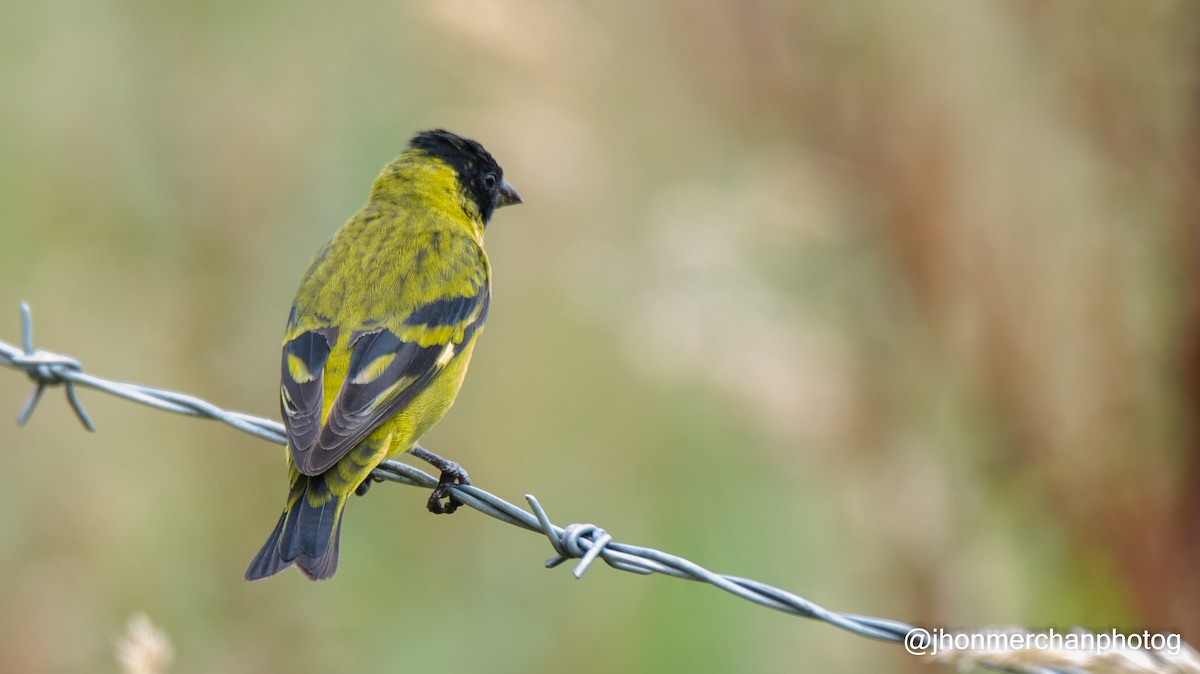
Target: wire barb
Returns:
[[586, 542], [45, 369]]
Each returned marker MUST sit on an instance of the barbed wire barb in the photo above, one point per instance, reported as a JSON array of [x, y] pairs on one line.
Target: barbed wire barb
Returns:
[[44, 376], [585, 542]]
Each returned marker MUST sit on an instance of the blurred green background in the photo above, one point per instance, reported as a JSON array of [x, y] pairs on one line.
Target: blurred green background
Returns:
[[890, 304]]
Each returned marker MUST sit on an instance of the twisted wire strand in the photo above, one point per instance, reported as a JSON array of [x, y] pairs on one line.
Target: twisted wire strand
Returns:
[[585, 542]]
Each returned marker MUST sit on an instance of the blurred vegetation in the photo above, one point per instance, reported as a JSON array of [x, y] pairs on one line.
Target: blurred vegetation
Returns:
[[891, 304]]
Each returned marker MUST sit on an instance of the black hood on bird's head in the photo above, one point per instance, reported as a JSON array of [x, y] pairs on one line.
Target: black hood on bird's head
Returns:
[[480, 175]]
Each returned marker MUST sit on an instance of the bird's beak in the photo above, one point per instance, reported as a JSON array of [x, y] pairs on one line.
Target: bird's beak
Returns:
[[508, 195]]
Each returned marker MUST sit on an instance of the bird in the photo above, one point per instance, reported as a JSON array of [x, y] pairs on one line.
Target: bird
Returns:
[[379, 338]]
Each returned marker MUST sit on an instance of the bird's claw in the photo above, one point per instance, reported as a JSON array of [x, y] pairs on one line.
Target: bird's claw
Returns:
[[361, 490], [452, 474]]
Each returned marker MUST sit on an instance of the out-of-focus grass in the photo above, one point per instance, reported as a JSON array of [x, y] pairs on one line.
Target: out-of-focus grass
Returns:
[[882, 303]]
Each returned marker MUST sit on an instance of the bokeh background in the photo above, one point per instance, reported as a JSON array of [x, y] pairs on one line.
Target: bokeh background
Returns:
[[893, 305]]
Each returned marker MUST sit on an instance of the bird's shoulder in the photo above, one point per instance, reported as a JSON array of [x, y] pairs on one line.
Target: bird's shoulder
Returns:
[[384, 267]]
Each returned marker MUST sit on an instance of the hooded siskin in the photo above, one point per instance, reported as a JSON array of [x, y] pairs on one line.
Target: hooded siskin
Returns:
[[380, 335]]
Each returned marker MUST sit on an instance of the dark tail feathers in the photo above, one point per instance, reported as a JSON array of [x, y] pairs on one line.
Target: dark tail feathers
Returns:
[[307, 533]]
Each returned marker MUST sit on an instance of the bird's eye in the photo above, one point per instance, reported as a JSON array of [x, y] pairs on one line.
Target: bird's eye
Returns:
[[489, 181]]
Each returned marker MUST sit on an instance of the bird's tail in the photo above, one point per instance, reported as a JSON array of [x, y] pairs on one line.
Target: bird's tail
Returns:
[[307, 533]]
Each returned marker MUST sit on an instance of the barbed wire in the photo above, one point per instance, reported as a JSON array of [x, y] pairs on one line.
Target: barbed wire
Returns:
[[585, 542]]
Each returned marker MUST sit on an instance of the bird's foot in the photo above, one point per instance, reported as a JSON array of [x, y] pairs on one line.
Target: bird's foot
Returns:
[[452, 474], [366, 484]]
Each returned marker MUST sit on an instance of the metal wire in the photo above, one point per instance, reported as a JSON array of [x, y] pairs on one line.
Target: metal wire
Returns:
[[585, 542]]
